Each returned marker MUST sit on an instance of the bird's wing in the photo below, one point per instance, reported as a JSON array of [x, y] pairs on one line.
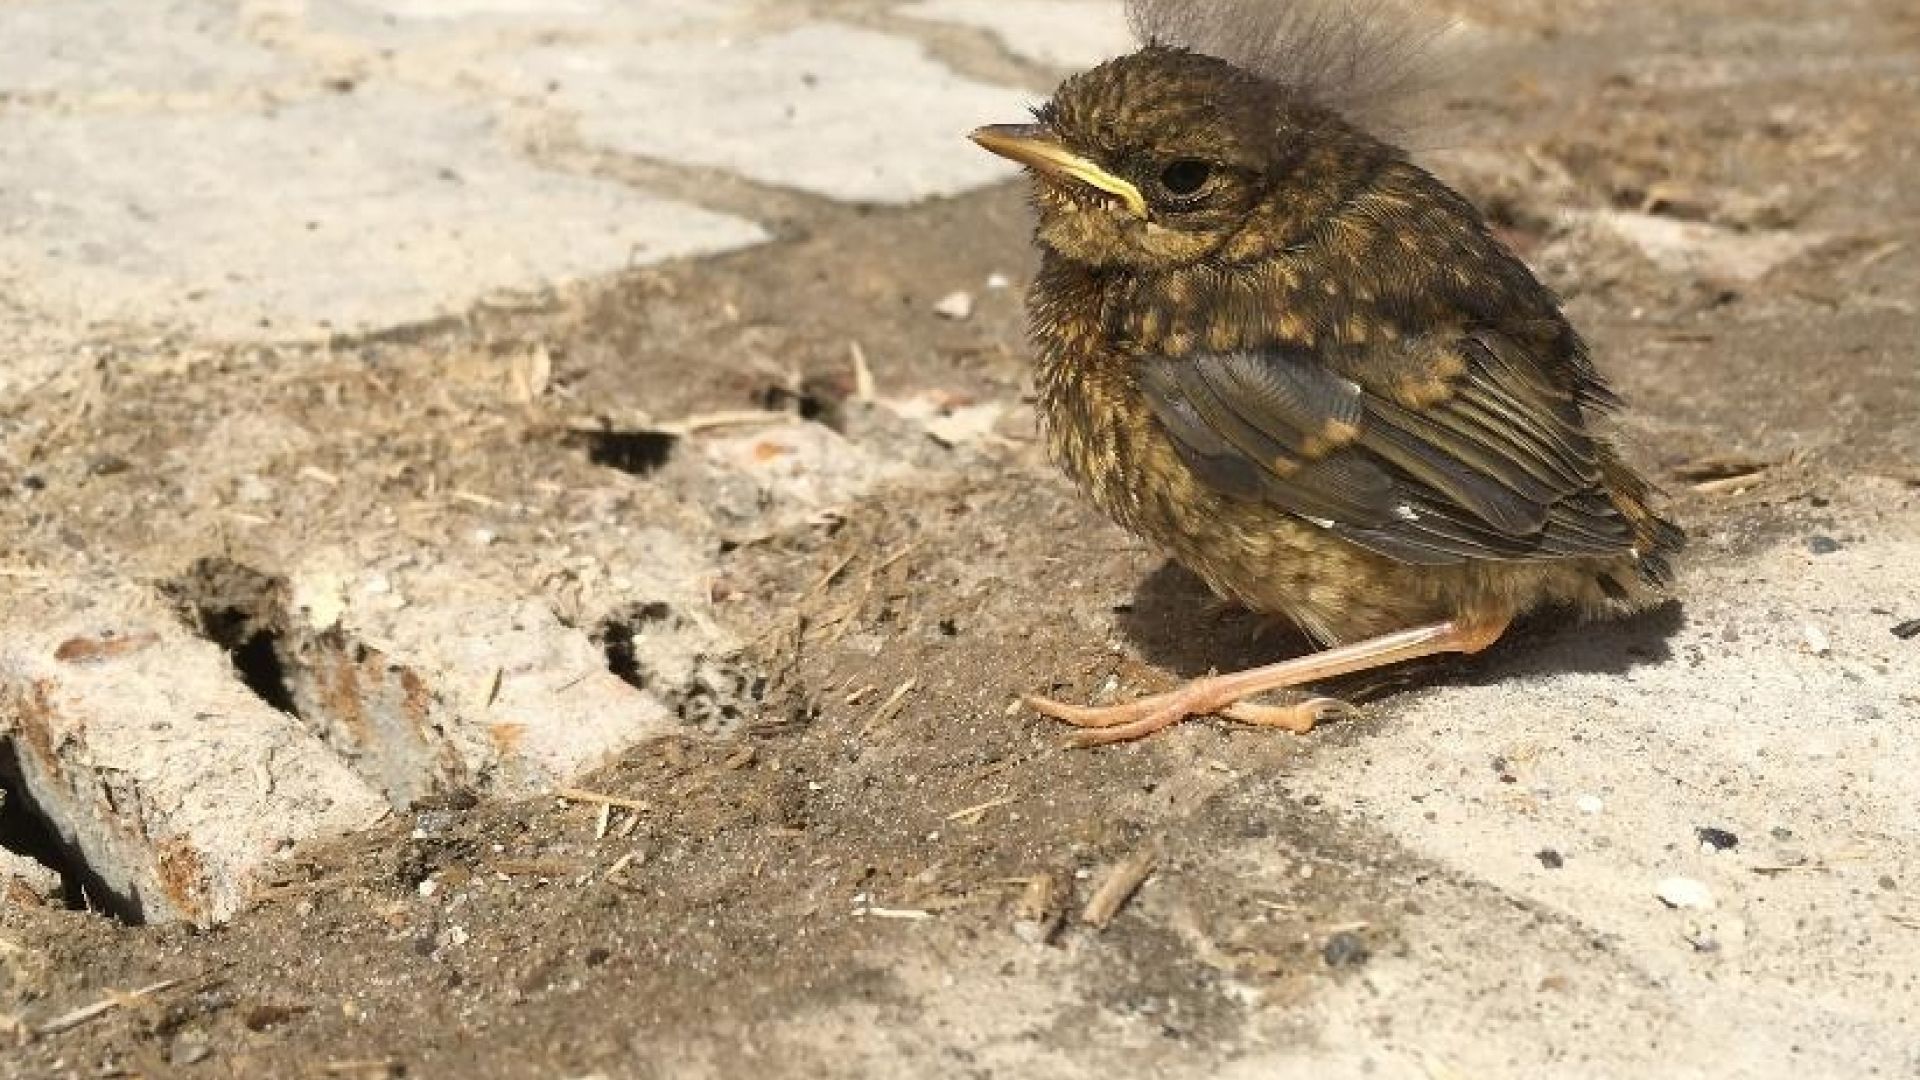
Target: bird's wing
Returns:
[[1494, 462]]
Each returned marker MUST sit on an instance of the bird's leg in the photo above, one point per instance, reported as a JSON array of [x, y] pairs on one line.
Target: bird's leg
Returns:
[[1223, 693]]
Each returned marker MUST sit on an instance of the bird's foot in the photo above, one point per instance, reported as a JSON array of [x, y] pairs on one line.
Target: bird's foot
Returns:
[[1144, 716], [1225, 694]]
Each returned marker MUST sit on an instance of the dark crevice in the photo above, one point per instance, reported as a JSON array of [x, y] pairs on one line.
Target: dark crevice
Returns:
[[638, 453], [258, 661], [239, 609], [820, 399], [616, 635], [27, 830], [622, 662]]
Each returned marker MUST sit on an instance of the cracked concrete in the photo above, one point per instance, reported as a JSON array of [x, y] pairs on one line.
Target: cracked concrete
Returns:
[[181, 787], [635, 396]]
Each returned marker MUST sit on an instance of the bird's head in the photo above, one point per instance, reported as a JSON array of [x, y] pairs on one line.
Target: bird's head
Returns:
[[1164, 158]]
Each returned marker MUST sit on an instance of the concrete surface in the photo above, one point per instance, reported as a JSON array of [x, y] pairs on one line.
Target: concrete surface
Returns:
[[828, 109], [208, 220], [1779, 718], [186, 50], [1068, 34], [512, 344]]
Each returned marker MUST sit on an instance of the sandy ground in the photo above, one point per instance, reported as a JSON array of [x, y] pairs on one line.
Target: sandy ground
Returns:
[[872, 862]]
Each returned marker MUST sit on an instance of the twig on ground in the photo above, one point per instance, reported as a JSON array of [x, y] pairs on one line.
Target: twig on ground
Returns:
[[574, 794], [114, 1000], [1118, 887]]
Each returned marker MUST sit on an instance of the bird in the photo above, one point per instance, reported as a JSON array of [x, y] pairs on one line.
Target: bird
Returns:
[[1274, 346]]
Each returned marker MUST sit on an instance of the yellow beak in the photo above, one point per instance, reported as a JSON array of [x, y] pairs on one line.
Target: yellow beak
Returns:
[[1036, 147]]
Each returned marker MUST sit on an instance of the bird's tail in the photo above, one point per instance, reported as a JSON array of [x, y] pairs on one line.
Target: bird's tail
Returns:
[[1655, 539]]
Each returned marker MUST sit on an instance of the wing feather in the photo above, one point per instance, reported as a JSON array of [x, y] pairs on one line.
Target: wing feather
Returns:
[[1502, 468]]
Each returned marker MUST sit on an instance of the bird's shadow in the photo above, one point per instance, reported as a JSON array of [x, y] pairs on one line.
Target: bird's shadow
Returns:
[[1177, 623]]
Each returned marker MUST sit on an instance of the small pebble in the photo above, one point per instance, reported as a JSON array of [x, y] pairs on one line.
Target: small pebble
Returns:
[[1550, 858], [1345, 949], [1679, 892], [1590, 804], [1712, 839], [1822, 545], [190, 1050], [1816, 638], [957, 306], [997, 281]]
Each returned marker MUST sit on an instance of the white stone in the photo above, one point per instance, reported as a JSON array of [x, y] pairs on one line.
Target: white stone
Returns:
[[1817, 641], [1681, 892], [494, 692], [178, 786], [957, 306]]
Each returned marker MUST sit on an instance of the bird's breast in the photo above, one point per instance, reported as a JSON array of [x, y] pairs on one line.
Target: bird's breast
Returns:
[[1097, 422]]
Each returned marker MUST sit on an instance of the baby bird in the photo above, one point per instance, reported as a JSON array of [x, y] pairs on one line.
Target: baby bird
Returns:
[[1277, 349]]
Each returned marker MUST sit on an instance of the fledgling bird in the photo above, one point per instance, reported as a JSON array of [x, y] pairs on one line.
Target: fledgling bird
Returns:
[[1272, 345]]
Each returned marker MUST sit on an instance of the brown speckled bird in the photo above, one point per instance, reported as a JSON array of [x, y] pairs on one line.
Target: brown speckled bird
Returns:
[[1276, 348]]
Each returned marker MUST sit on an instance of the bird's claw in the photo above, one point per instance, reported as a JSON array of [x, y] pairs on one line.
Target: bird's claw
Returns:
[[1134, 719], [1299, 718]]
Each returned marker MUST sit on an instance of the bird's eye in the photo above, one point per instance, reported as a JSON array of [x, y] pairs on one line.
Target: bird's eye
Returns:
[[1186, 176]]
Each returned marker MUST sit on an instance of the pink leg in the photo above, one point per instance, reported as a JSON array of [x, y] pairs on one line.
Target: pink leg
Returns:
[[1215, 693]]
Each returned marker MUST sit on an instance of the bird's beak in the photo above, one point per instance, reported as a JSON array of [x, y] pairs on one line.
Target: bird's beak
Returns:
[[1037, 147]]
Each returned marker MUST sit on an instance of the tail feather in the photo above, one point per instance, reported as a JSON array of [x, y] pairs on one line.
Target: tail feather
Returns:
[[1655, 539]]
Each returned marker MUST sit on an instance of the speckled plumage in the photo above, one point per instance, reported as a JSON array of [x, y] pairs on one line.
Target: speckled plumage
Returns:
[[1319, 382]]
